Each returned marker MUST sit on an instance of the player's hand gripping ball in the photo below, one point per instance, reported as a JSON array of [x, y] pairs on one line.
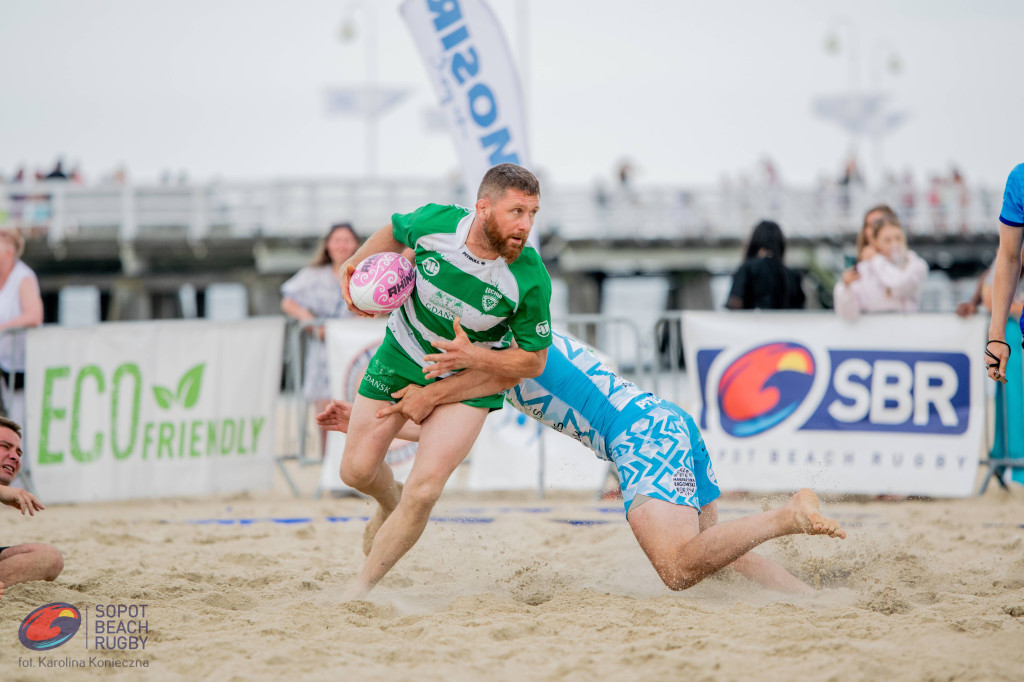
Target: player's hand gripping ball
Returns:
[[382, 283]]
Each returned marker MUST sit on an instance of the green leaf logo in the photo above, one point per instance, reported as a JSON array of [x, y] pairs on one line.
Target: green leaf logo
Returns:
[[188, 387], [188, 390], [164, 398]]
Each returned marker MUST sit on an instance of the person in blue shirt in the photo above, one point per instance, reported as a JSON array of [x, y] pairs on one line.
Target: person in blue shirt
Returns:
[[1007, 271], [665, 473]]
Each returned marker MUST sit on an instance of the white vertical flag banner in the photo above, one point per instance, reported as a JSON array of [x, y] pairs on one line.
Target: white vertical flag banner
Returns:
[[152, 409], [470, 66]]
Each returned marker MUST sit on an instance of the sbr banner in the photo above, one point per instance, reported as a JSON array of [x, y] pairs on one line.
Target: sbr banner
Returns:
[[152, 409], [470, 66], [887, 404]]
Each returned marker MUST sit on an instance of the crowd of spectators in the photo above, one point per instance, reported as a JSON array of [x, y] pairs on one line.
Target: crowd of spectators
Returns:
[[60, 172]]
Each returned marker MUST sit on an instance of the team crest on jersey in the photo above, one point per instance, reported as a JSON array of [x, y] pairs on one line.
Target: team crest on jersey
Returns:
[[431, 267], [543, 328], [491, 298], [684, 482]]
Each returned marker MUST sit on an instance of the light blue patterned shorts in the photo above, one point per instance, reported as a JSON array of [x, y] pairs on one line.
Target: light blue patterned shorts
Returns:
[[663, 456]]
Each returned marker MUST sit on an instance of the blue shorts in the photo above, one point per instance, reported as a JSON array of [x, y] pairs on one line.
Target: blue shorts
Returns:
[[663, 456]]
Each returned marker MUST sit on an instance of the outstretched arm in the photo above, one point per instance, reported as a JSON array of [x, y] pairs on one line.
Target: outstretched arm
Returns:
[[460, 353], [417, 402], [20, 499], [337, 414]]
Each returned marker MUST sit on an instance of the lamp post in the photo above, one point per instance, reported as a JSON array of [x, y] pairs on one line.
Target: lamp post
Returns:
[[834, 46], [864, 113], [883, 59], [348, 32]]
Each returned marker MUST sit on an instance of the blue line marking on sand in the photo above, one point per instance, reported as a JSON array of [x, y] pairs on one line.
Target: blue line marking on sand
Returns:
[[524, 510], [582, 522], [289, 521], [461, 519]]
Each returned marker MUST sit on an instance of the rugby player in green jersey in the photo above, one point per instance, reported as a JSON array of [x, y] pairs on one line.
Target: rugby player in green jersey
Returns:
[[471, 264]]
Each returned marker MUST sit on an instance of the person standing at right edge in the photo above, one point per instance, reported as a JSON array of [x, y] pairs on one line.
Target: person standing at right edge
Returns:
[[1007, 272]]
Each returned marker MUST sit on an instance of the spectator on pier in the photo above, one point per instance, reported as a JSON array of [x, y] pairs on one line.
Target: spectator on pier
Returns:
[[314, 292], [762, 281], [21, 305], [891, 280]]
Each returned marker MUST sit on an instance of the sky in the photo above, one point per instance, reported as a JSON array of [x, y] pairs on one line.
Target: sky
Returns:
[[689, 92]]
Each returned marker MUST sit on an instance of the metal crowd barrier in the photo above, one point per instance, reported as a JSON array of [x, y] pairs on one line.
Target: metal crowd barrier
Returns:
[[296, 338]]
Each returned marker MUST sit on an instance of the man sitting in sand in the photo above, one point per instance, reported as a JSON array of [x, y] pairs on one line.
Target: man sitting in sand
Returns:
[[668, 483], [30, 561]]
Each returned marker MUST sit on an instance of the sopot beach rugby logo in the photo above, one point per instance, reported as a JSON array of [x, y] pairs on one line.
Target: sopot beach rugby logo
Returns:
[[49, 626]]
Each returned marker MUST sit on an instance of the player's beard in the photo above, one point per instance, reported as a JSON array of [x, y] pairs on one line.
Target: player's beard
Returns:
[[507, 250]]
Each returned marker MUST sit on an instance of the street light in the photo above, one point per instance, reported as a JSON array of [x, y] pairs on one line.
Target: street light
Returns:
[[348, 32], [862, 114]]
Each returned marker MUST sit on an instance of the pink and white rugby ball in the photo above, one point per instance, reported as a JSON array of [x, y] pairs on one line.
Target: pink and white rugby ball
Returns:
[[382, 283]]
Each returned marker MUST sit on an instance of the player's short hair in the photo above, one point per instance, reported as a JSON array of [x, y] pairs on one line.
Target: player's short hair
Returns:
[[15, 239], [506, 176], [11, 424]]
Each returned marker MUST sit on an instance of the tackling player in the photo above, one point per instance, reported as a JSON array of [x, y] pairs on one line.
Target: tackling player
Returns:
[[668, 484]]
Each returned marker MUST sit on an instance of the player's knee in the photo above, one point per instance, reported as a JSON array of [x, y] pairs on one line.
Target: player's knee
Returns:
[[422, 494], [356, 475], [678, 579], [679, 582], [53, 564]]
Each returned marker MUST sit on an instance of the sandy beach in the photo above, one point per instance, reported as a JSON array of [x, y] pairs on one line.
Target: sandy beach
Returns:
[[514, 587]]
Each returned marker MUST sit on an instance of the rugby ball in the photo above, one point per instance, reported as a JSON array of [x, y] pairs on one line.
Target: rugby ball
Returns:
[[381, 283]]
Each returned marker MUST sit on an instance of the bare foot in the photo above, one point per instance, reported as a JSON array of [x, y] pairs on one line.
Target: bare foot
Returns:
[[807, 517], [1, 590], [374, 524], [355, 592]]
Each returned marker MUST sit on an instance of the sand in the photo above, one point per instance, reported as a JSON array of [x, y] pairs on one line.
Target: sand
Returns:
[[921, 590]]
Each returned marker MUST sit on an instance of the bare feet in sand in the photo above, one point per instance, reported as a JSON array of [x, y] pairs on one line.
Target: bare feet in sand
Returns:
[[807, 518], [374, 524]]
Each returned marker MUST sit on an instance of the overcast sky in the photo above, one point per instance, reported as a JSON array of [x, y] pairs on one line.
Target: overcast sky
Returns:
[[689, 91]]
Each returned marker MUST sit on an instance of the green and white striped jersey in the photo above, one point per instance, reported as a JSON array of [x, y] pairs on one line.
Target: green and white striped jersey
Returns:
[[492, 297]]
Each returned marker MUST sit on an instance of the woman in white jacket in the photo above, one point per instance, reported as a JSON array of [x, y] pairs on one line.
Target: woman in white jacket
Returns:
[[889, 281]]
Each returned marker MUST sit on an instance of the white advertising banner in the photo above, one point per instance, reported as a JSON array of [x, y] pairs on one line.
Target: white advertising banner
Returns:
[[889, 404], [152, 409], [507, 456], [470, 67]]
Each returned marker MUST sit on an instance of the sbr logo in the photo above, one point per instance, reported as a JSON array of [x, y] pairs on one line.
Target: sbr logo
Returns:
[[896, 391], [763, 387], [855, 390]]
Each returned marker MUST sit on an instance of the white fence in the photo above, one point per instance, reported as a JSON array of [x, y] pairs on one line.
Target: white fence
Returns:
[[297, 208]]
